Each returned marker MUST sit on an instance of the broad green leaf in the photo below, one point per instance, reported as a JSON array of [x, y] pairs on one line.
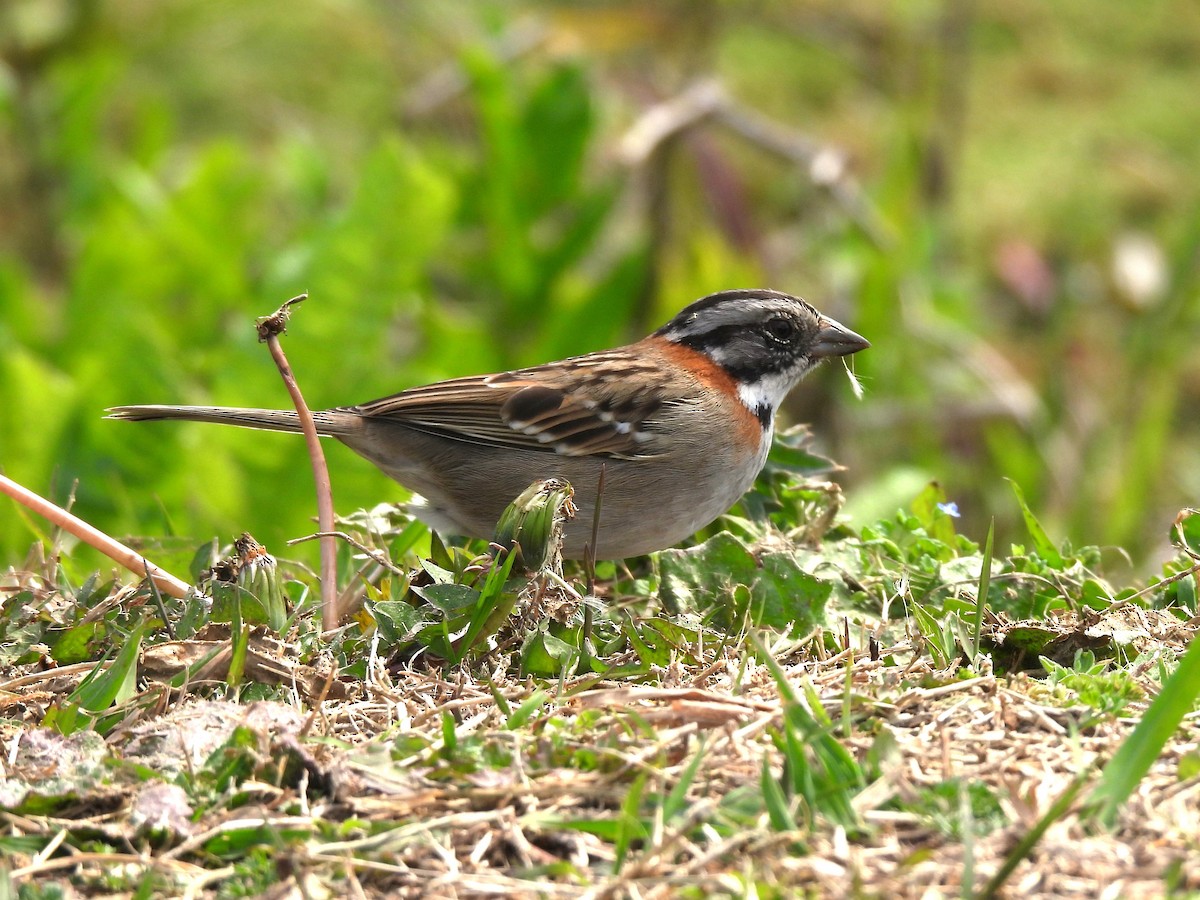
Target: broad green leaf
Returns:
[[792, 451], [786, 597], [451, 599], [774, 592], [545, 655], [694, 578], [396, 620], [73, 645]]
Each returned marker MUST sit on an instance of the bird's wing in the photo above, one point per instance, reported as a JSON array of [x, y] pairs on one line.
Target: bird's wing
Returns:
[[578, 407]]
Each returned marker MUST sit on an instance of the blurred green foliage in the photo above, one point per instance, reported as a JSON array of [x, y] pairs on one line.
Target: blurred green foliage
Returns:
[[457, 187]]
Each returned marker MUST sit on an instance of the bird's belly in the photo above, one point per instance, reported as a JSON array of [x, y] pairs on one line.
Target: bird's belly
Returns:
[[645, 505]]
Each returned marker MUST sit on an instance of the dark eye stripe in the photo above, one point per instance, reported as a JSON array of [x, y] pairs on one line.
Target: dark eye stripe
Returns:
[[704, 341], [749, 370]]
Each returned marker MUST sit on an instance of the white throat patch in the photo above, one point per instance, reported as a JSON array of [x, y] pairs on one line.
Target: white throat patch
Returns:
[[769, 391]]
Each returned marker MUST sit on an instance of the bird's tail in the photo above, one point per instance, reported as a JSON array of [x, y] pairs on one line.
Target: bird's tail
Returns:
[[328, 421]]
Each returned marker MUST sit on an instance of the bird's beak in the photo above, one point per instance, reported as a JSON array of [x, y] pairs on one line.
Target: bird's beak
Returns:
[[835, 339]]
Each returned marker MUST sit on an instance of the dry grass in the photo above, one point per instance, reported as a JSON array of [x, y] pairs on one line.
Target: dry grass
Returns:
[[414, 784]]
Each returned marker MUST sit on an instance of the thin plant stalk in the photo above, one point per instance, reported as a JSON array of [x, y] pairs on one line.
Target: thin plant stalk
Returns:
[[110, 547], [269, 330]]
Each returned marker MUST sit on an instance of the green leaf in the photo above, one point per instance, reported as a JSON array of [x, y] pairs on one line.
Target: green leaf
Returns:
[[449, 736], [723, 578], [1041, 541], [239, 644], [235, 761], [494, 606], [452, 599], [116, 684], [676, 801], [1144, 744], [630, 825], [693, 578], [940, 639], [396, 620], [817, 767], [792, 451], [928, 507], [786, 597], [439, 564], [205, 557], [234, 843], [649, 653], [523, 713], [607, 830], [228, 595], [775, 800], [545, 655], [19, 644], [73, 645], [985, 581], [1187, 529]]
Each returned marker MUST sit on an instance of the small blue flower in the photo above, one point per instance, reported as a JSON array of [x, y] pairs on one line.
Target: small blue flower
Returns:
[[950, 509]]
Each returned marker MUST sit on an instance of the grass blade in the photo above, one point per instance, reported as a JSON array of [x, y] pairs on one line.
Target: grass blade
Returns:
[[985, 582], [1139, 751]]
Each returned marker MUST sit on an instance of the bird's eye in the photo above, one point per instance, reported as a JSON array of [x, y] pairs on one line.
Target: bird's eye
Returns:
[[780, 329]]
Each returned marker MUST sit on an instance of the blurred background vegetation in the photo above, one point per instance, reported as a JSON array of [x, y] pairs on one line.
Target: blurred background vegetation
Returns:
[[1002, 197]]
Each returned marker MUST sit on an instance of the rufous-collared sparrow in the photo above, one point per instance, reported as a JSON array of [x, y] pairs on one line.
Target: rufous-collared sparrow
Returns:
[[681, 422]]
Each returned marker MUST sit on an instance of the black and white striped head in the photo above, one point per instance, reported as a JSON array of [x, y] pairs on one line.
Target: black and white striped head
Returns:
[[767, 341]]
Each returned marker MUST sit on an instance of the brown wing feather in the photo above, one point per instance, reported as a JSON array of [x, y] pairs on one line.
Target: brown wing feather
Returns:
[[575, 409]]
